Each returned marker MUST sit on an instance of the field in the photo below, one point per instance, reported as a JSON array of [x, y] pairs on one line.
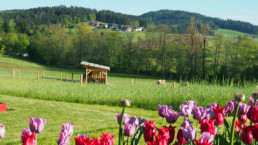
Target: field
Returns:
[[92, 107]]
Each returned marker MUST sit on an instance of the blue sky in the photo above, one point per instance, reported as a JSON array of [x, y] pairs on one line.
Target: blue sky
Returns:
[[245, 10]]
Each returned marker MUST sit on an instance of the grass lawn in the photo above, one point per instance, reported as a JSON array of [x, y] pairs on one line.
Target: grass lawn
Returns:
[[90, 119]]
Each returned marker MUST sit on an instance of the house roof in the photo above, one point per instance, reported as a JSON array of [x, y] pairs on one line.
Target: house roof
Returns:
[[93, 65]]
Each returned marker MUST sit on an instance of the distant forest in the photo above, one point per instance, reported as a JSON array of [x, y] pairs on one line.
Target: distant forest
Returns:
[[66, 16], [44, 35], [179, 20]]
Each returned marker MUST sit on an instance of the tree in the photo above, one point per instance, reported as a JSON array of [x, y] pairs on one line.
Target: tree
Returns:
[[81, 33], [218, 46]]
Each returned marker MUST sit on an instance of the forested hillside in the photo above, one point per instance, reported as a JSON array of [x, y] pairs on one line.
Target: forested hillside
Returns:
[[66, 16], [180, 20]]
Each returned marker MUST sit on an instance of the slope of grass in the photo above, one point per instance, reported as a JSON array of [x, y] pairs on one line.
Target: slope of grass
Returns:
[[229, 33], [87, 119], [143, 93]]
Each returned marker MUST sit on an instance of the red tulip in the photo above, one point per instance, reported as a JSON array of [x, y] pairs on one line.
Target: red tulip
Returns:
[[242, 118], [238, 127], [149, 130], [180, 138], [107, 139], [96, 141], [162, 137], [255, 131], [208, 126], [219, 115], [203, 143], [29, 139], [82, 141], [252, 114], [171, 134], [247, 136]]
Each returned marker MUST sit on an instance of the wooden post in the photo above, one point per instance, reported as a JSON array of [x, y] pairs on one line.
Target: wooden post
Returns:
[[19, 74], [60, 76], [13, 72], [86, 75], [38, 76], [153, 83], [81, 79], [72, 77], [132, 82], [106, 78], [42, 74], [66, 77]]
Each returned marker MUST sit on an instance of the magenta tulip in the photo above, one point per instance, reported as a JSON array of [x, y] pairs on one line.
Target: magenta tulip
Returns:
[[189, 133], [187, 124], [85, 136], [185, 110], [134, 121], [242, 108], [68, 127], [191, 103], [37, 124], [64, 138]]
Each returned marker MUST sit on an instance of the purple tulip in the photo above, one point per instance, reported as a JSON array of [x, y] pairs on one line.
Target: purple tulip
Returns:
[[191, 103], [230, 106], [185, 110], [199, 113], [85, 136], [213, 105], [207, 137], [2, 131], [172, 116], [141, 121], [186, 123], [68, 127], [126, 118], [134, 121], [64, 138], [129, 130], [163, 110], [26, 132], [242, 108], [189, 133], [37, 124]]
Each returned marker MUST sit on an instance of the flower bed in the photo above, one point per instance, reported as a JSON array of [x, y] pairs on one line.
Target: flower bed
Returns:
[[210, 120]]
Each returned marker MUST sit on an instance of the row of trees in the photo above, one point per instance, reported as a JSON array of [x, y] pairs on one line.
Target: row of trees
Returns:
[[191, 55], [66, 16]]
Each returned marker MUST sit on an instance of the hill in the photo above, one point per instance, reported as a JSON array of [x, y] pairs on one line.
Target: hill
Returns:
[[180, 20]]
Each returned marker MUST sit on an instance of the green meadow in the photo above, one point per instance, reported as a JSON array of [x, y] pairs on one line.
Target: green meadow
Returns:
[[92, 107]]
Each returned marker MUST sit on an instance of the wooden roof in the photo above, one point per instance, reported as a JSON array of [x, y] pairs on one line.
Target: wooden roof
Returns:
[[94, 66]]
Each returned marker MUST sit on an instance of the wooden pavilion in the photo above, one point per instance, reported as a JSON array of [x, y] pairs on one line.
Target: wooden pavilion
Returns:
[[95, 72]]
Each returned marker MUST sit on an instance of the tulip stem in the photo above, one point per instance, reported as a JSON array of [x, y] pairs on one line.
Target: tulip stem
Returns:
[[252, 116], [234, 124], [121, 128], [162, 121]]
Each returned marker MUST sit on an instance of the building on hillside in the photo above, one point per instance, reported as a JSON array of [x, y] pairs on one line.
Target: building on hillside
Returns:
[[126, 28], [138, 29], [103, 25], [95, 24], [112, 25], [95, 72]]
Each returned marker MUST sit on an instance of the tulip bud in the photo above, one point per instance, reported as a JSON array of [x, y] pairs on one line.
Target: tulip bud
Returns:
[[240, 97], [255, 95], [126, 102]]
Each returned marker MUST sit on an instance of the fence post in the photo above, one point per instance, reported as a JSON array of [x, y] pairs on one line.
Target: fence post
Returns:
[[38, 76], [19, 74], [132, 82], [66, 77], [60, 76], [72, 77], [13, 72], [81, 76]]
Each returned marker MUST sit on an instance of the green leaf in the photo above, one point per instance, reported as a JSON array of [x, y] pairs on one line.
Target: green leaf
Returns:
[[137, 136], [223, 140], [227, 127]]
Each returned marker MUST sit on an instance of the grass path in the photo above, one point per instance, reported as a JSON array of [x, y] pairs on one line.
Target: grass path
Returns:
[[91, 119]]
